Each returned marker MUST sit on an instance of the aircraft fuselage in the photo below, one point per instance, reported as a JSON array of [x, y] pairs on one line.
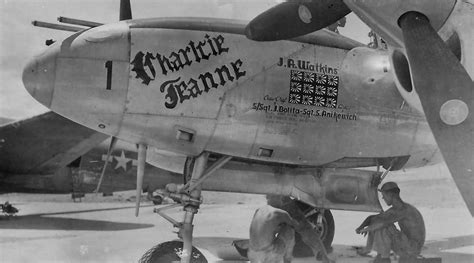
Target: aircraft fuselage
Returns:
[[194, 85]]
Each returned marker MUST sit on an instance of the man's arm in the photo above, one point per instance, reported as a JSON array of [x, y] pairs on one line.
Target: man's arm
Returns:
[[364, 224], [383, 219]]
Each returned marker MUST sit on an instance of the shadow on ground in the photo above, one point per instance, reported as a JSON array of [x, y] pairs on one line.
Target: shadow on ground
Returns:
[[447, 249], [48, 221], [223, 248], [220, 247]]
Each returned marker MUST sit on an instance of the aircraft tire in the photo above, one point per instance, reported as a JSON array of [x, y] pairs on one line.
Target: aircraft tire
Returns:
[[169, 252], [327, 235]]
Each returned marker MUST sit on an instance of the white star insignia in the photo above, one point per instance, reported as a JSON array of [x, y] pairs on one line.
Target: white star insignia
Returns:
[[121, 161]]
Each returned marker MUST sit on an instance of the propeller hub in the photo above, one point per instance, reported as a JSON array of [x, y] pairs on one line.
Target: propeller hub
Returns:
[[295, 18], [305, 14], [454, 112]]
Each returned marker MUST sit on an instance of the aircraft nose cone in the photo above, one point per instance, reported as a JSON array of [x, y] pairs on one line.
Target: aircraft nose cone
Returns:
[[38, 76], [29, 77]]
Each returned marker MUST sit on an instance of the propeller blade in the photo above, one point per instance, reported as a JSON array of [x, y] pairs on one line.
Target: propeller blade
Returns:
[[445, 90], [295, 18], [113, 141], [140, 174], [125, 10]]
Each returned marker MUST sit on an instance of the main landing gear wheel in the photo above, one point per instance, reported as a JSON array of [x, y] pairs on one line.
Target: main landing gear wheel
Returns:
[[326, 228], [170, 251]]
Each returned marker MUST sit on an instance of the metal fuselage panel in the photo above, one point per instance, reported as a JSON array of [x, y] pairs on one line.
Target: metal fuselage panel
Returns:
[[88, 65], [238, 97], [189, 91]]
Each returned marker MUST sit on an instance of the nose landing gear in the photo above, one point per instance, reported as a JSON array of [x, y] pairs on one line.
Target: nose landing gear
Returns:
[[189, 196]]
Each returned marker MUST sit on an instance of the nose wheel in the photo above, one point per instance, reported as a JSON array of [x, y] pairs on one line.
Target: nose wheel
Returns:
[[170, 251]]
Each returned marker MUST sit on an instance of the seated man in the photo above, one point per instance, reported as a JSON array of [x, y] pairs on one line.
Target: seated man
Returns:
[[272, 236], [384, 236], [309, 234]]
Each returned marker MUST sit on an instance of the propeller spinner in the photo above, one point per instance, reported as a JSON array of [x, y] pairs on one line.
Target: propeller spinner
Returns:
[[295, 18]]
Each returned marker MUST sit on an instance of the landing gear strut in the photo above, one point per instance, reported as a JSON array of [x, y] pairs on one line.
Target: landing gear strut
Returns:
[[192, 206], [189, 196]]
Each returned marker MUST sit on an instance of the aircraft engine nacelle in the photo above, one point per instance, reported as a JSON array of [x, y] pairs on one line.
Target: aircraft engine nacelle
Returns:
[[450, 18], [401, 66], [372, 75], [402, 77]]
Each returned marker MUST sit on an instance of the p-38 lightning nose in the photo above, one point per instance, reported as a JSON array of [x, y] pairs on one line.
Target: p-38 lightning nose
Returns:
[[85, 76], [39, 73]]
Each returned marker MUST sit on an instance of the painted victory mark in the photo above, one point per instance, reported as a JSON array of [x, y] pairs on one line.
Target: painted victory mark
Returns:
[[311, 85], [177, 90], [311, 88]]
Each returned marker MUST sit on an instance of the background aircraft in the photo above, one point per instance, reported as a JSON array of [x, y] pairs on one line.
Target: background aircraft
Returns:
[[303, 109], [51, 154]]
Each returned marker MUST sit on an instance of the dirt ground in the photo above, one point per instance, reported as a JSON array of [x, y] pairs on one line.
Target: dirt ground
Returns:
[[52, 228]]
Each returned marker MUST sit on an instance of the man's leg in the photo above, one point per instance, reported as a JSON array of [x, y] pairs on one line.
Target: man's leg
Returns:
[[309, 235], [382, 241], [287, 234], [405, 248], [364, 251]]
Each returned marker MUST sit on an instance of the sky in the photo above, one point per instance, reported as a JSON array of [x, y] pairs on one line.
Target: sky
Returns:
[[20, 41]]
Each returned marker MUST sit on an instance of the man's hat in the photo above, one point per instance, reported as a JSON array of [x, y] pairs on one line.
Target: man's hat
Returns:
[[388, 186]]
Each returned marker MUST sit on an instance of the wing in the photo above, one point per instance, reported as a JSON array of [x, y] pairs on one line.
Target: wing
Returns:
[[44, 143]]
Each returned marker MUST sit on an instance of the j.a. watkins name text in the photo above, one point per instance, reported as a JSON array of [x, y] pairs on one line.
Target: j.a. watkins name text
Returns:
[[307, 65]]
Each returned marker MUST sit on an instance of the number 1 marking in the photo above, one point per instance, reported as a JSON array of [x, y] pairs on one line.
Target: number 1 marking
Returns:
[[108, 65]]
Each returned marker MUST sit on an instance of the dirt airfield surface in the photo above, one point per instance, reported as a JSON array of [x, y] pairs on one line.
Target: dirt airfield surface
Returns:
[[52, 228]]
